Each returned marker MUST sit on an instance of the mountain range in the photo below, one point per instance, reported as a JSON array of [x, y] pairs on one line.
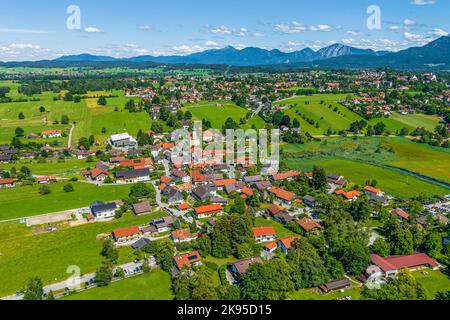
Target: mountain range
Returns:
[[434, 56], [231, 56]]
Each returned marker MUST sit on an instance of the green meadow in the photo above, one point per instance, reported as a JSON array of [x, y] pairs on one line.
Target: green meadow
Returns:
[[26, 201], [392, 182], [24, 254], [280, 230], [155, 285]]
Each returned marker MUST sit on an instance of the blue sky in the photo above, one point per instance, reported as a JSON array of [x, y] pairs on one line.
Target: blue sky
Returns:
[[33, 30]]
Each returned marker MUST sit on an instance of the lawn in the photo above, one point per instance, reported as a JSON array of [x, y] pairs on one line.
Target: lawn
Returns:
[[280, 230], [155, 285], [390, 181], [311, 294], [67, 168], [433, 282], [396, 121], [217, 115], [25, 201], [24, 254]]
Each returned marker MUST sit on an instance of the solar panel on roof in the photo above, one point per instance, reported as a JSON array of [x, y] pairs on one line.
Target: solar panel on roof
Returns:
[[190, 258]]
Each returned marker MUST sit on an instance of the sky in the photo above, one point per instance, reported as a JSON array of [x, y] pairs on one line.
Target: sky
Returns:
[[47, 29]]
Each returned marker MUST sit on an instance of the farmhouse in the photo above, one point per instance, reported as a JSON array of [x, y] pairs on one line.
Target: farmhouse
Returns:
[[7, 182], [123, 140], [51, 134], [126, 234], [133, 176], [102, 211], [46, 180], [187, 260], [264, 234], [96, 174], [289, 175], [206, 211], [390, 266]]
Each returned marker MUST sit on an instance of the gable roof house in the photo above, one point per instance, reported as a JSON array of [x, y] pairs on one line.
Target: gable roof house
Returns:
[[310, 201], [289, 175], [283, 195], [308, 224], [240, 267], [206, 211], [402, 215], [393, 264], [264, 234], [142, 208], [262, 185], [187, 260], [173, 195], [123, 140], [7, 182], [103, 211], [183, 235], [133, 176], [203, 193], [163, 224], [126, 234], [286, 243]]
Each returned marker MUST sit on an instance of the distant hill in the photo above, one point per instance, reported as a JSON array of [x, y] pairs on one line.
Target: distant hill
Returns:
[[231, 56], [435, 56]]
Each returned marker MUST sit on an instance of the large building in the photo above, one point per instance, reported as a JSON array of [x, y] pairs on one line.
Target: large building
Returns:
[[123, 140]]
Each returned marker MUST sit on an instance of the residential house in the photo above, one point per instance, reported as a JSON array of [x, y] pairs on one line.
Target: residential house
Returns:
[[286, 243], [96, 174], [264, 234], [308, 224], [163, 224], [126, 234], [240, 267], [208, 210], [203, 193], [335, 285], [348, 196], [141, 243], [51, 134], [179, 175], [133, 176], [401, 214], [46, 180], [7, 182], [310, 201], [187, 260], [173, 195], [253, 179], [183, 235], [103, 211], [289, 175], [283, 195], [142, 208]]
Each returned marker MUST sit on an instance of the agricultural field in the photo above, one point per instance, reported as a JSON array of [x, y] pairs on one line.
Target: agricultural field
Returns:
[[217, 115], [68, 168], [24, 254], [318, 109], [392, 182], [26, 201], [155, 285], [392, 151]]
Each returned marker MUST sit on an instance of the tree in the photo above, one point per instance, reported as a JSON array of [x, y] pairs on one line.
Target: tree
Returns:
[[50, 295], [141, 190], [360, 209], [295, 123], [102, 101], [69, 188], [83, 142], [400, 238], [91, 140], [319, 180], [19, 132], [41, 109], [44, 190], [403, 287], [120, 273], [64, 119], [379, 128], [146, 266], [188, 115], [164, 255], [34, 289], [21, 116], [104, 274], [109, 251], [381, 247], [308, 268], [268, 281], [203, 286], [433, 244]]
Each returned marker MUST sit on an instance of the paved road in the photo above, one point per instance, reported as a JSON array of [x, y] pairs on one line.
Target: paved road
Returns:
[[129, 268], [166, 167]]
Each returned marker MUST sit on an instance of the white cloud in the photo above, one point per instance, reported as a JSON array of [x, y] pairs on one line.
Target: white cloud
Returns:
[[422, 2], [10, 30], [409, 22], [354, 33], [223, 30], [24, 46], [210, 43], [185, 49], [438, 33], [412, 36], [294, 27], [321, 28], [92, 30], [145, 28], [229, 31]]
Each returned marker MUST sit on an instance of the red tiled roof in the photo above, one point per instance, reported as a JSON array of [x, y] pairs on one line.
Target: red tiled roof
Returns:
[[165, 179], [247, 191], [49, 178], [287, 241], [372, 189], [208, 209], [282, 194], [308, 224], [271, 246], [285, 175], [262, 231], [182, 234], [7, 181], [126, 232], [401, 213], [274, 209], [184, 206], [186, 259], [401, 262], [221, 183]]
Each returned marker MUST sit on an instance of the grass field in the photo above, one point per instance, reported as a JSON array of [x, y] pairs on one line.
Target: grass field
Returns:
[[26, 201], [24, 254], [217, 115], [406, 154], [390, 181], [155, 285], [68, 168], [343, 117], [280, 230]]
